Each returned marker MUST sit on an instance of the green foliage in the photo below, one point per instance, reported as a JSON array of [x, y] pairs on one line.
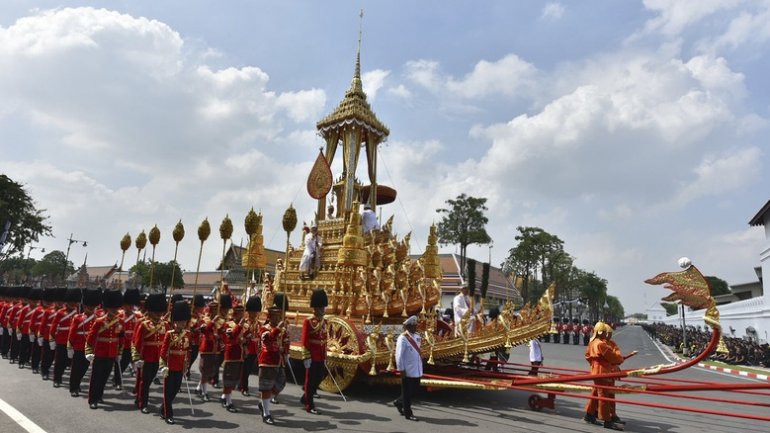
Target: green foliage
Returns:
[[718, 286], [463, 223], [161, 275], [27, 222], [538, 252], [671, 308], [15, 270], [53, 267]]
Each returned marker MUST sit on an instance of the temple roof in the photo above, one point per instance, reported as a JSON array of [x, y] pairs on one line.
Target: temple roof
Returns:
[[354, 109]]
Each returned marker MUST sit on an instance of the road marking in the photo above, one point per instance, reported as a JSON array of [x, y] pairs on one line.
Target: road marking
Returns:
[[19, 418]]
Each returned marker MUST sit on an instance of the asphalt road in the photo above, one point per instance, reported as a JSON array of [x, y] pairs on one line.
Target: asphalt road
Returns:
[[368, 408]]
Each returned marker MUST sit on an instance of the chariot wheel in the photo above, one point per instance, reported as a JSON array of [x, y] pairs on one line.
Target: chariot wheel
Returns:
[[342, 340], [535, 402]]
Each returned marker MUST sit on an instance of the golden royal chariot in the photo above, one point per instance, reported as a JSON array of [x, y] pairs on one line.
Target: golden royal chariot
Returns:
[[371, 280]]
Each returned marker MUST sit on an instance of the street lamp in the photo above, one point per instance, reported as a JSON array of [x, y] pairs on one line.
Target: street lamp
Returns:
[[491, 244], [67, 256], [606, 309], [42, 250]]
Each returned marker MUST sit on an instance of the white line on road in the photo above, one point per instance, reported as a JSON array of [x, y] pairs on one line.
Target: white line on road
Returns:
[[19, 418]]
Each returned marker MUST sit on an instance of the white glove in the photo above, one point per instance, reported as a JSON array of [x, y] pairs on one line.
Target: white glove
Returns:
[[138, 364], [40, 341], [2, 331], [70, 353], [18, 336], [307, 362], [52, 345], [163, 372], [288, 359], [117, 359], [90, 357], [32, 338]]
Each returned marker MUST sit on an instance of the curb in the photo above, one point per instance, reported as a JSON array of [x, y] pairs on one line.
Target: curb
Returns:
[[735, 371]]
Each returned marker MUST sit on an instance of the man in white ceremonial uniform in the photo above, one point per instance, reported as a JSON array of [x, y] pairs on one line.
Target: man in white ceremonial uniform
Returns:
[[311, 257], [409, 364], [461, 304]]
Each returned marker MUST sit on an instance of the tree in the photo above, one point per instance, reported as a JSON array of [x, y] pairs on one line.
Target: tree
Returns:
[[161, 276], [25, 222], [594, 290], [718, 286], [52, 266], [540, 252], [671, 308], [15, 270], [463, 223]]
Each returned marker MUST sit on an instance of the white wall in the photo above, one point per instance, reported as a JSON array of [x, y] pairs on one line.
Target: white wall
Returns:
[[738, 315]]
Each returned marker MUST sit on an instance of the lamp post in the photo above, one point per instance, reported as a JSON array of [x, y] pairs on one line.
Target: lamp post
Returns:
[[491, 244], [67, 256], [685, 351]]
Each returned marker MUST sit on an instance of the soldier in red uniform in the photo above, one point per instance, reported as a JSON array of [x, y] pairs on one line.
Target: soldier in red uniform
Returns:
[[23, 322], [104, 345], [566, 330], [587, 330], [145, 348], [253, 308], [236, 336], [4, 303], [20, 295], [59, 333], [198, 304], [76, 340], [51, 297], [129, 317], [313, 342], [174, 358], [38, 311], [209, 348], [272, 356]]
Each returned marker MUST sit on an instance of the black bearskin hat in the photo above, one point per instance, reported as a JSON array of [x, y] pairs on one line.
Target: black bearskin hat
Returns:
[[92, 298], [319, 299], [156, 303], [112, 299], [254, 304], [176, 297], [180, 312], [281, 301], [73, 295], [199, 301], [132, 297], [585, 321], [225, 302]]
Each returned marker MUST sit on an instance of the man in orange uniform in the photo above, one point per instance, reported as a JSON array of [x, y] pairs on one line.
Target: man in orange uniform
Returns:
[[104, 344], [174, 357], [313, 342], [604, 357], [145, 347], [76, 340]]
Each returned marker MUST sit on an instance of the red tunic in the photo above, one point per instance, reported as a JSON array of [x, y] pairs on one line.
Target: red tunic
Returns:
[[275, 345], [175, 350], [105, 338], [43, 329], [129, 322], [60, 326], [79, 328], [209, 337], [23, 319], [313, 338], [35, 319], [234, 339], [148, 337]]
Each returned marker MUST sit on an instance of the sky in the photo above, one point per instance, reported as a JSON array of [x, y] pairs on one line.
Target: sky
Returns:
[[635, 131]]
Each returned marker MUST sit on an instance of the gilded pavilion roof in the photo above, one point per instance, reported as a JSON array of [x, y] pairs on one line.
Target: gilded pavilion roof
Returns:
[[354, 109]]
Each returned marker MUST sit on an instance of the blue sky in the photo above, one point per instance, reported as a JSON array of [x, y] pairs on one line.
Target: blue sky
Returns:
[[635, 131]]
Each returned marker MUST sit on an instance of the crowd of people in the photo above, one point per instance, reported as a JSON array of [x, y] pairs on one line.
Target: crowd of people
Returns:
[[52, 331], [740, 351]]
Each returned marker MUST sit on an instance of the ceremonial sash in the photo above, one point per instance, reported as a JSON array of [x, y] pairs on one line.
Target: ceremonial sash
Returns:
[[412, 342]]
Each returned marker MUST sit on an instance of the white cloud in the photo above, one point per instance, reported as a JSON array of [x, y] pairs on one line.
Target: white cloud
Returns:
[[401, 91], [717, 176], [552, 11], [373, 81], [677, 15], [749, 27]]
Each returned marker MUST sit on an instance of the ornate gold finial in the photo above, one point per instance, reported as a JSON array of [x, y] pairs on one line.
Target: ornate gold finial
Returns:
[[125, 244], [430, 258], [254, 257], [352, 252]]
